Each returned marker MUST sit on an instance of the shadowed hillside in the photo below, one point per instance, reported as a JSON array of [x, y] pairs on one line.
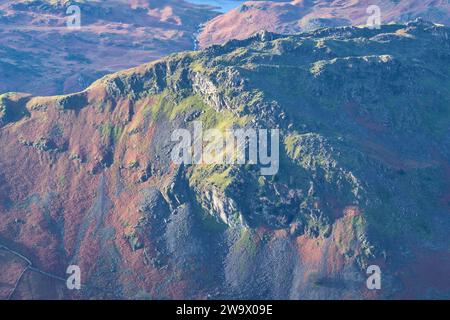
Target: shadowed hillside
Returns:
[[41, 55]]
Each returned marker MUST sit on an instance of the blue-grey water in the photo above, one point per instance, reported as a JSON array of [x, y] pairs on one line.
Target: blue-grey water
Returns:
[[222, 5]]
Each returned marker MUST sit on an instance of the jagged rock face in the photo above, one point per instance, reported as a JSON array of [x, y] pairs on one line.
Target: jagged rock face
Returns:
[[87, 179]]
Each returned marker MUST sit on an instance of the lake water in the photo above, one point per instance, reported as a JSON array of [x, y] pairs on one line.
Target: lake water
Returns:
[[222, 5]]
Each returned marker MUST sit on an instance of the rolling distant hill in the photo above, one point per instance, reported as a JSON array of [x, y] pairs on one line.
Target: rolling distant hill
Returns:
[[288, 17], [40, 55]]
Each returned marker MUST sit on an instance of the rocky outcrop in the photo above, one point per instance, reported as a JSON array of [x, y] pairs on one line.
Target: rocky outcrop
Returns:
[[87, 179]]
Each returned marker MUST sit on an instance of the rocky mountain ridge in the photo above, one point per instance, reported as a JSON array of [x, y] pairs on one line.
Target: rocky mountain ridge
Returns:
[[87, 178]]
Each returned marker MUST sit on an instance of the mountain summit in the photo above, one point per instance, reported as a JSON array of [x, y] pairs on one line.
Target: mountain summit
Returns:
[[87, 179]]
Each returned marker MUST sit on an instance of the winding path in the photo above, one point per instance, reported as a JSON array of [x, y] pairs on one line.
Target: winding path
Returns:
[[27, 268]]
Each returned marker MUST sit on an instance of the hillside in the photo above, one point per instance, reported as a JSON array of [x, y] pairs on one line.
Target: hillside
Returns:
[[41, 55], [364, 175], [290, 17]]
